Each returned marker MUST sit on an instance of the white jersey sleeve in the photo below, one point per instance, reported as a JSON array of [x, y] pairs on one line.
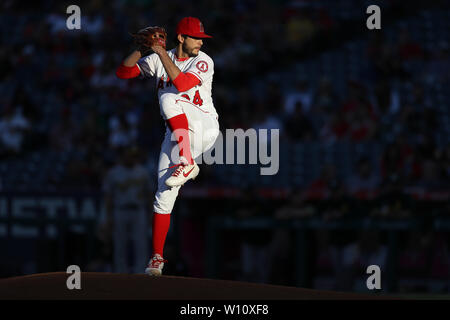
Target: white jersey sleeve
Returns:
[[202, 67], [147, 65]]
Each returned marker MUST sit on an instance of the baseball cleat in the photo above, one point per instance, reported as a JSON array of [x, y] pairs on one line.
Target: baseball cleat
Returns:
[[155, 265], [183, 173]]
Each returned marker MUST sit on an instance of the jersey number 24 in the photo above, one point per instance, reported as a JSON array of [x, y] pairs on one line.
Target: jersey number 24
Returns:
[[197, 99]]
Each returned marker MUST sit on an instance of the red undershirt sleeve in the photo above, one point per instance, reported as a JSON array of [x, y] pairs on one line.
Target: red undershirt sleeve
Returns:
[[124, 72], [185, 81]]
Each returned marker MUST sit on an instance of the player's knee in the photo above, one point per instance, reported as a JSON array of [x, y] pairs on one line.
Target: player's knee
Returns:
[[169, 106]]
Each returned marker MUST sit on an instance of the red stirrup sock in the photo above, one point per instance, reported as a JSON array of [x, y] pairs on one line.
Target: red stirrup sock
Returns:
[[160, 227], [180, 127]]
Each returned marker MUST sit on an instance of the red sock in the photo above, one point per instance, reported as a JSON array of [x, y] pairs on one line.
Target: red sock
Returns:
[[160, 227], [175, 124]]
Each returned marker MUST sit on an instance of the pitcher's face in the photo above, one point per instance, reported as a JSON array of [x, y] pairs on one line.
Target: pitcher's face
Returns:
[[191, 46]]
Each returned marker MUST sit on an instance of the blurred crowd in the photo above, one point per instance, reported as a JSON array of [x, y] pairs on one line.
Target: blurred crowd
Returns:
[[59, 93], [334, 253]]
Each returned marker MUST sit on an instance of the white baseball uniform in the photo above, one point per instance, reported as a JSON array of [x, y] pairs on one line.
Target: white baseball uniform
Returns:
[[198, 106]]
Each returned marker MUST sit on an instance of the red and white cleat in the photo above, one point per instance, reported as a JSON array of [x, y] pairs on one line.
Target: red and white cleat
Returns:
[[182, 174], [155, 265]]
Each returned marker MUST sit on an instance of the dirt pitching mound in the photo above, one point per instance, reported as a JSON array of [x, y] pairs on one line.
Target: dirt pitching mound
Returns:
[[113, 286]]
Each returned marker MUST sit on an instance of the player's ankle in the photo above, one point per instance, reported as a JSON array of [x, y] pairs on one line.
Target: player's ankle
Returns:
[[186, 160]]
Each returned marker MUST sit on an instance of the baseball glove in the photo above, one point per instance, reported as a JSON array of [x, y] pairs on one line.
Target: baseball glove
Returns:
[[145, 38]]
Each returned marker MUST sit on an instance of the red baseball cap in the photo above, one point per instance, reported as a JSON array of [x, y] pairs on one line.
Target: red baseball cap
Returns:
[[191, 26]]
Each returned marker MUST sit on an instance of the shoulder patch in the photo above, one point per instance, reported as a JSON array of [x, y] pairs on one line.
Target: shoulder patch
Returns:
[[202, 65]]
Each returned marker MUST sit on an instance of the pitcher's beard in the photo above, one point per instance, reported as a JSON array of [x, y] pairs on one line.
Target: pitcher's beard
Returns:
[[190, 53]]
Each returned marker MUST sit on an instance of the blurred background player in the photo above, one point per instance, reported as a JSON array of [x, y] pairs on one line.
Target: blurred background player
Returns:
[[127, 190]]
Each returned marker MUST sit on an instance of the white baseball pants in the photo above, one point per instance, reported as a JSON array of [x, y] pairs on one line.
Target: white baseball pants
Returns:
[[203, 132]]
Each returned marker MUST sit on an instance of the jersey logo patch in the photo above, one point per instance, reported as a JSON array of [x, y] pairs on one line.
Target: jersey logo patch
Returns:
[[202, 66]]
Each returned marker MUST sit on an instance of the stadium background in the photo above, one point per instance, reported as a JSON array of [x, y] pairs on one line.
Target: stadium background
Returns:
[[364, 148]]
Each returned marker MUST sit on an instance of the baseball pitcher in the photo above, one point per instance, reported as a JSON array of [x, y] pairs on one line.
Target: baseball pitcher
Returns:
[[183, 78]]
